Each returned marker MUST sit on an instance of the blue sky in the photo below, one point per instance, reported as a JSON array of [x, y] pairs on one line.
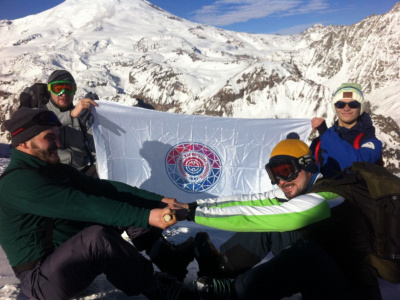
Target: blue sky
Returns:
[[254, 16]]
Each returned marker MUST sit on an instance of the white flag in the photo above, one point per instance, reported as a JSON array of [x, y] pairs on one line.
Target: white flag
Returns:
[[187, 157]]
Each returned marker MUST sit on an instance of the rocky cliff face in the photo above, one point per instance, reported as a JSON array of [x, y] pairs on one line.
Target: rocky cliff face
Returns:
[[135, 53]]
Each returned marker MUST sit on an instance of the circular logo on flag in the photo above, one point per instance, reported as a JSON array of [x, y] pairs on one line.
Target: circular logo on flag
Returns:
[[193, 167]]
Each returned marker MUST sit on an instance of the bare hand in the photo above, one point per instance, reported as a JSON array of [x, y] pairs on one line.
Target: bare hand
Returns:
[[315, 122], [167, 202], [162, 217], [82, 104]]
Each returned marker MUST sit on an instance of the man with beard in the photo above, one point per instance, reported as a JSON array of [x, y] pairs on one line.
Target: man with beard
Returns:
[[245, 249], [77, 146], [60, 228], [326, 238], [77, 149]]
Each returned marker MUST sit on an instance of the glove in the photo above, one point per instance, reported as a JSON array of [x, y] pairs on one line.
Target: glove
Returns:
[[192, 211], [92, 96], [322, 128], [86, 117]]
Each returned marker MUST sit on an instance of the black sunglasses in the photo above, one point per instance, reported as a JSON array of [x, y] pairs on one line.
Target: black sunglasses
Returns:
[[351, 104]]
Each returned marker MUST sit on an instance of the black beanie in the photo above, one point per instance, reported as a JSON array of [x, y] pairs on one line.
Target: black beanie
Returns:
[[26, 123], [60, 75]]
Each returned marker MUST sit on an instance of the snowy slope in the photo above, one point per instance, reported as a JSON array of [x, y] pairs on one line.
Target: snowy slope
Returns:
[[133, 52]]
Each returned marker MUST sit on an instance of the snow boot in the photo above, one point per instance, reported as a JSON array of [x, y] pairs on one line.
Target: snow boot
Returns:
[[211, 262], [171, 258], [165, 286], [215, 288]]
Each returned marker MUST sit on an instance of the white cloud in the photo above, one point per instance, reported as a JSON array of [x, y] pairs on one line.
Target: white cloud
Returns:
[[227, 12]]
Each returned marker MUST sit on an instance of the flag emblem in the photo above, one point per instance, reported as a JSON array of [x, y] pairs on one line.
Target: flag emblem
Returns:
[[193, 167]]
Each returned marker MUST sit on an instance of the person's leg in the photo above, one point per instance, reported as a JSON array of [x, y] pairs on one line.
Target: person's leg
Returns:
[[244, 250], [255, 243], [168, 257], [303, 267], [76, 263], [239, 253], [143, 238], [279, 241]]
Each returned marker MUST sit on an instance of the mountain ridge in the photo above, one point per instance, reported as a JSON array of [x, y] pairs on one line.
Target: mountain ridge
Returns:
[[135, 53]]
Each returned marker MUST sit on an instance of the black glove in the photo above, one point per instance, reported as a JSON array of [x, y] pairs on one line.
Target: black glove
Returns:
[[86, 117], [92, 96], [192, 211], [322, 128]]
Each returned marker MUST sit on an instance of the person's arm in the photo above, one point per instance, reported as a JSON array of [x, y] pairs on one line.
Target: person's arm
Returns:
[[258, 214], [345, 154], [42, 196], [319, 124], [83, 104], [113, 189]]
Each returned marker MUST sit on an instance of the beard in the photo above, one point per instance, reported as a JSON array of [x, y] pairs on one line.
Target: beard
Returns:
[[299, 191], [67, 103], [50, 156], [296, 188]]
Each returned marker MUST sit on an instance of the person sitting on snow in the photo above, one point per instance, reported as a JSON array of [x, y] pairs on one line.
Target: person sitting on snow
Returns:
[[352, 136], [60, 228], [326, 238]]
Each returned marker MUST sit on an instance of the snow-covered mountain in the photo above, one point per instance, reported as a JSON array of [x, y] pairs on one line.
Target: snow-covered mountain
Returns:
[[133, 52]]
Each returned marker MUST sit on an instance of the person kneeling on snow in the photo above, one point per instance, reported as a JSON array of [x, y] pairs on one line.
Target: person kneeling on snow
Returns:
[[60, 228], [326, 238]]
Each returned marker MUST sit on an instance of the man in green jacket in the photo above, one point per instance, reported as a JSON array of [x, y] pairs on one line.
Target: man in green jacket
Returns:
[[60, 229]]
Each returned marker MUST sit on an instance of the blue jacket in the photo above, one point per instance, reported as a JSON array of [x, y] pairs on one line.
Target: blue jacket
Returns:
[[337, 152]]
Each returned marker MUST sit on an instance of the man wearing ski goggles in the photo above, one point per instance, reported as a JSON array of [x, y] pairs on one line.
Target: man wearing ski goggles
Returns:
[[60, 87], [283, 224], [291, 168], [287, 169], [77, 141]]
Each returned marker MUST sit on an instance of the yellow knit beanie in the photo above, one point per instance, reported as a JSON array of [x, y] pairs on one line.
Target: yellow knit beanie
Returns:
[[291, 147], [294, 148]]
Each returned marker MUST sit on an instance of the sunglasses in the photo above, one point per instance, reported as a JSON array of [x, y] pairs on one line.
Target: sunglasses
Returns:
[[61, 87], [46, 118], [351, 104]]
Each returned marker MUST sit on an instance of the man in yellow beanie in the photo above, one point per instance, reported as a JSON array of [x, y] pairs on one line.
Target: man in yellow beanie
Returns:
[[322, 254], [352, 136]]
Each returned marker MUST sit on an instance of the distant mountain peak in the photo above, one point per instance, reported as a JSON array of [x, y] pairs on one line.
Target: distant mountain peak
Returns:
[[133, 52]]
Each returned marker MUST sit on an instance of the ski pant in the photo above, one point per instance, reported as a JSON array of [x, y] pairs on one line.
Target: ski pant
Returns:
[[143, 238], [246, 249], [304, 268], [75, 264]]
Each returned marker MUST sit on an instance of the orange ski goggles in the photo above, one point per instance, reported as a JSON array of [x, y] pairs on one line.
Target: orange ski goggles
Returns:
[[60, 87]]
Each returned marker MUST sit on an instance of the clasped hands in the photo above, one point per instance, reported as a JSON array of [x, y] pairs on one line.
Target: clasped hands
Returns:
[[169, 213]]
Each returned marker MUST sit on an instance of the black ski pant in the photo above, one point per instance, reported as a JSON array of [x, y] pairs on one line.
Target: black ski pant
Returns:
[[75, 264], [246, 249], [304, 268]]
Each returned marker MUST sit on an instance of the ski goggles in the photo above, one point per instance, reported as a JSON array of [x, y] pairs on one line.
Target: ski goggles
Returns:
[[288, 169], [60, 87], [351, 104], [46, 118]]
